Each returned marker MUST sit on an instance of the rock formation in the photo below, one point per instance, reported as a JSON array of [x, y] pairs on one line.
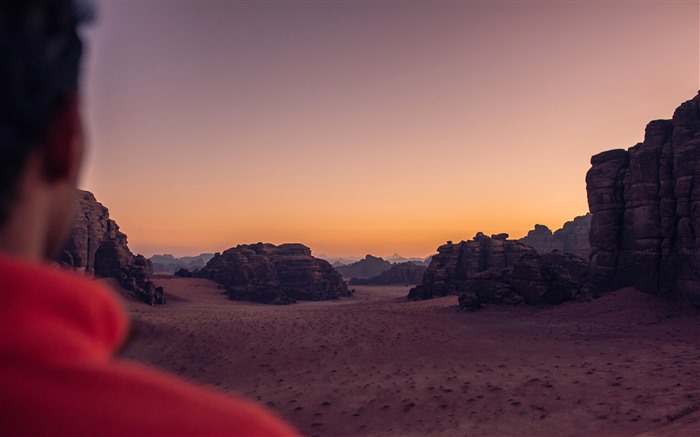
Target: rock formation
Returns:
[[183, 273], [274, 274], [91, 226], [574, 236], [403, 273], [571, 238], [368, 267], [96, 246], [645, 202], [542, 239], [497, 270]]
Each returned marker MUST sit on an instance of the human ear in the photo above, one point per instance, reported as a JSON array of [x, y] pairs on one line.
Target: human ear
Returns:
[[62, 148]]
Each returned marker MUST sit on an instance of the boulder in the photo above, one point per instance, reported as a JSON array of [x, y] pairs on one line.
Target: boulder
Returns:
[[469, 301], [267, 273], [645, 205], [183, 273]]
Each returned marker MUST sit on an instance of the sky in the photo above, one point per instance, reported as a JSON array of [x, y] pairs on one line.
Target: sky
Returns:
[[367, 127]]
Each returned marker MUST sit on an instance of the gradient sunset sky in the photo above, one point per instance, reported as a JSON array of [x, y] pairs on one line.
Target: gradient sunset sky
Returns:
[[368, 127]]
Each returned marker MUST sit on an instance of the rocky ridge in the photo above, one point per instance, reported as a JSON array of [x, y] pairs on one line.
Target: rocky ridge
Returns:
[[267, 273], [97, 247], [497, 270], [167, 263], [402, 273], [645, 205]]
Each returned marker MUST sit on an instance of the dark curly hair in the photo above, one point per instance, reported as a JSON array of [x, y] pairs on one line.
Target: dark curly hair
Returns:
[[39, 68]]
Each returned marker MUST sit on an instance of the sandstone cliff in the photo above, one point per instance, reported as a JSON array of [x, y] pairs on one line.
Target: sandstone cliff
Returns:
[[645, 205], [402, 273], [274, 274], [542, 239], [571, 238], [96, 246], [497, 270], [92, 225], [574, 236]]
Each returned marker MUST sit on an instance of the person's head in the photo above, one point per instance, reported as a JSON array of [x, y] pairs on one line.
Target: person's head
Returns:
[[40, 129]]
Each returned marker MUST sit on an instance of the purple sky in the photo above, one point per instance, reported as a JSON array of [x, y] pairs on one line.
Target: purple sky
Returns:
[[368, 127]]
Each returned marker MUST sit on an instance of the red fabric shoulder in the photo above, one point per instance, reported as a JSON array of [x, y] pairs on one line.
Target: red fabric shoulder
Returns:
[[58, 332], [52, 315]]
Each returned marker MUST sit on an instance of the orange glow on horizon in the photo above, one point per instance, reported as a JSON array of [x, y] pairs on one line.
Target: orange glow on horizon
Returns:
[[360, 128]]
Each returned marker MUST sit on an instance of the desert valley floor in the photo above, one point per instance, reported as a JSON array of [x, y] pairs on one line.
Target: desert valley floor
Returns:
[[375, 364]]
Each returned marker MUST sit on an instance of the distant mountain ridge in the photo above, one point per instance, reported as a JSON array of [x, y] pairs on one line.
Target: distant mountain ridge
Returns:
[[372, 266], [167, 263], [406, 273], [338, 261], [368, 267]]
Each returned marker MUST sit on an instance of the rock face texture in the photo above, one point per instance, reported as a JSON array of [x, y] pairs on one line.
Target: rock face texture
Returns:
[[96, 246], [368, 267], [274, 274], [92, 225], [403, 273], [574, 236], [497, 270], [571, 238], [645, 205], [542, 239]]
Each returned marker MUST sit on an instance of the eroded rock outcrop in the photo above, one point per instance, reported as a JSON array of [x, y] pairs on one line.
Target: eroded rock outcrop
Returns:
[[267, 273], [402, 273], [574, 236], [645, 205], [497, 270], [571, 238], [542, 239], [97, 246], [91, 226]]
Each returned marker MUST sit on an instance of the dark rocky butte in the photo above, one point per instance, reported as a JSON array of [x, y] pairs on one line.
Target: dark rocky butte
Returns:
[[497, 270], [645, 201], [96, 246], [267, 273]]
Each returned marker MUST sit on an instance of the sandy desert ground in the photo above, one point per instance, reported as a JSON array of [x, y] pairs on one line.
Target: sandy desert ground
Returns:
[[375, 364]]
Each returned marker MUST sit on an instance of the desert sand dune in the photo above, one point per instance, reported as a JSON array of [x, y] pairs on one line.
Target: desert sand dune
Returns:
[[376, 364]]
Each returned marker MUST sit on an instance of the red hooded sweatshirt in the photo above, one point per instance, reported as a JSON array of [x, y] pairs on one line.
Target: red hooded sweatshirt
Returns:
[[59, 376]]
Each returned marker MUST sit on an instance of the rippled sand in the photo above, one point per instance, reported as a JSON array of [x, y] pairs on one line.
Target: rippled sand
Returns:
[[375, 364]]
